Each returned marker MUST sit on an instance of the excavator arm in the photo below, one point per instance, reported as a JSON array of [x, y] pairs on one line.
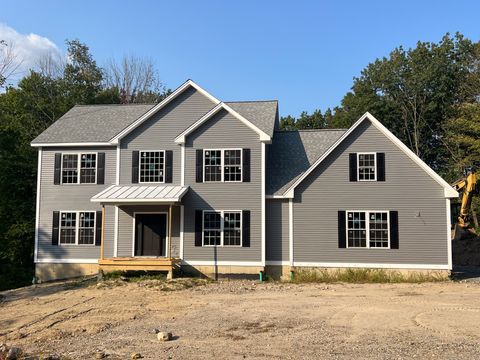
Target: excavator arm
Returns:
[[467, 186]]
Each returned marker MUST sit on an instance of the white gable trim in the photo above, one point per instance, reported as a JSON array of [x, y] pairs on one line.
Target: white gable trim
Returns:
[[70, 144], [162, 104], [181, 139], [448, 190]]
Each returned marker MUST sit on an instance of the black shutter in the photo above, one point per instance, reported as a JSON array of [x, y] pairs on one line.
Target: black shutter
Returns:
[[198, 227], [55, 224], [101, 168], [246, 228], [353, 166], [246, 165], [393, 229], [168, 166], [380, 166], [57, 169], [98, 230], [135, 160], [199, 166], [342, 230]]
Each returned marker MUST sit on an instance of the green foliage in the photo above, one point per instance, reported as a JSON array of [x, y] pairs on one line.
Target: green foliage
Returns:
[[26, 110], [361, 276]]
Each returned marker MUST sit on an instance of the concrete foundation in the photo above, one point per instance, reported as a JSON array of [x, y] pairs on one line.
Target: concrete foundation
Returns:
[[48, 272], [221, 271]]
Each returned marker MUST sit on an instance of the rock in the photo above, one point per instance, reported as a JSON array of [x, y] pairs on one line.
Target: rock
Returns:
[[3, 349], [164, 336], [100, 355], [51, 357], [156, 331], [13, 353], [137, 356]]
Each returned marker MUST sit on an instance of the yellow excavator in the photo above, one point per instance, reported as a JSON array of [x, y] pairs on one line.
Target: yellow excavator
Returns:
[[467, 187]]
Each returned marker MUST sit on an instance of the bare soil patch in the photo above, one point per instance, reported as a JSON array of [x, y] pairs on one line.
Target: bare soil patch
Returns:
[[244, 319]]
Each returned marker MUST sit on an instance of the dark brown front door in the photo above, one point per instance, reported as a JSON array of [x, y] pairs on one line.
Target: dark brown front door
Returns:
[[150, 234]]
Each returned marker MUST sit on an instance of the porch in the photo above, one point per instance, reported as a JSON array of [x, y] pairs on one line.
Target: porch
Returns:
[[147, 230]]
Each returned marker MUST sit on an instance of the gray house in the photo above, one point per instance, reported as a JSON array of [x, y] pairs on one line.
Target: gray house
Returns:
[[206, 185]]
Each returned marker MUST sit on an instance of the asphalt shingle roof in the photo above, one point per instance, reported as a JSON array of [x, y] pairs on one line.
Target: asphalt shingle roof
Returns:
[[292, 153], [91, 123], [263, 114]]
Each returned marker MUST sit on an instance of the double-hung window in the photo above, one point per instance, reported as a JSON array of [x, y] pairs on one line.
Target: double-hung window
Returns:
[[367, 167], [77, 228], [79, 168], [222, 228], [152, 166], [223, 165], [368, 229]]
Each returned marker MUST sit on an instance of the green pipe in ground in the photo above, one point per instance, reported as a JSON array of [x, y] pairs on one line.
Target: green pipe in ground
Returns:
[[261, 276]]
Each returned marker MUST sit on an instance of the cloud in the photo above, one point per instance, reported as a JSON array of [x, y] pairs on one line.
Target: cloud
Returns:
[[29, 48]]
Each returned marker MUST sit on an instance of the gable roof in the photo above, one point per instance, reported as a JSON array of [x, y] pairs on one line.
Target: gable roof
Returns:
[[292, 153], [448, 190], [181, 138], [88, 124], [105, 125], [160, 105]]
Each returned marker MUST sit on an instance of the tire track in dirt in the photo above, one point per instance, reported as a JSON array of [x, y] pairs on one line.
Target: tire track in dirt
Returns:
[[44, 317]]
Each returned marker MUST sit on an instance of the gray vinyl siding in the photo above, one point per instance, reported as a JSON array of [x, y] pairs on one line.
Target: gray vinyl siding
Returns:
[[407, 189], [277, 230], [70, 197], [223, 131], [125, 227], [160, 131]]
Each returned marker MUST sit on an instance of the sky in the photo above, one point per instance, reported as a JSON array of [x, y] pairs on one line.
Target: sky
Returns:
[[303, 53]]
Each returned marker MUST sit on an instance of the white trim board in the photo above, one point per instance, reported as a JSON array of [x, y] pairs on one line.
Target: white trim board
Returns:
[[448, 190], [181, 138], [221, 263], [66, 261], [449, 233], [162, 104], [373, 265], [70, 144], [37, 205]]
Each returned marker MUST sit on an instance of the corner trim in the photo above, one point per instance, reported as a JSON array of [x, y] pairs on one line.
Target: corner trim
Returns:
[[290, 232], [182, 222], [449, 234], [37, 205], [263, 227]]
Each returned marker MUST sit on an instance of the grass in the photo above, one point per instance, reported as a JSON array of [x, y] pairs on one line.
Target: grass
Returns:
[[363, 276], [134, 276]]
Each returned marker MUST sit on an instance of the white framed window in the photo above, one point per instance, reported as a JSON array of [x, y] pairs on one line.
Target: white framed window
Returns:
[[222, 228], [79, 168], [367, 166], [77, 228], [222, 165], [152, 166], [368, 229]]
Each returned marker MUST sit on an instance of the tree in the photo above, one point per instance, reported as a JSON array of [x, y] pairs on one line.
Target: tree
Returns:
[[135, 79], [82, 77], [414, 91], [9, 62]]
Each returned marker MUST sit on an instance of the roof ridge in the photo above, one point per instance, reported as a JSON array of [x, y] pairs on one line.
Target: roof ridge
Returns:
[[93, 105], [309, 130], [250, 101]]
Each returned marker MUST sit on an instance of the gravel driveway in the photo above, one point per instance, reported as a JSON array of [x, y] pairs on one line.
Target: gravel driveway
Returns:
[[244, 320]]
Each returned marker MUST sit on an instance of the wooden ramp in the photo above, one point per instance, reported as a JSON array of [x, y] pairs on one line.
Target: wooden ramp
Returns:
[[133, 263]]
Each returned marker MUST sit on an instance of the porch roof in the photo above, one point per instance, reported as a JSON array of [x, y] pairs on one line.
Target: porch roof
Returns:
[[140, 194]]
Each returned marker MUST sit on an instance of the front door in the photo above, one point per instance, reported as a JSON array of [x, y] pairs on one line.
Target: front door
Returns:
[[151, 235]]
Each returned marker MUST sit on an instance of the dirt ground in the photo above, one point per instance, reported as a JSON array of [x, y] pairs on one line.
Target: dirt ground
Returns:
[[244, 320]]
